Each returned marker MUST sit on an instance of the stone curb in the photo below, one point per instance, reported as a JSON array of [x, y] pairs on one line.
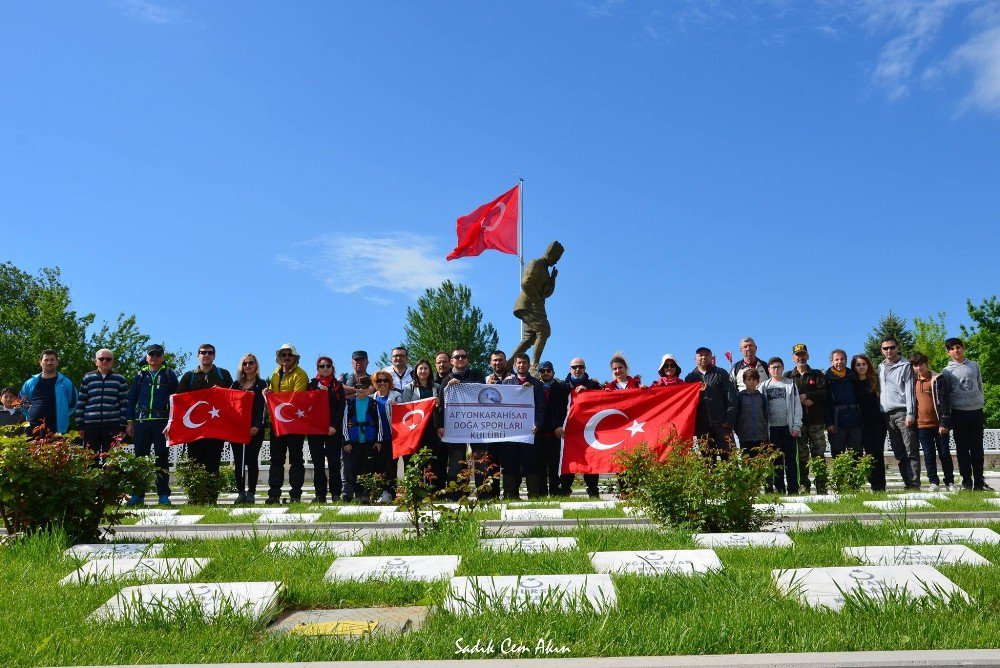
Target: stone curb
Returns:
[[891, 659]]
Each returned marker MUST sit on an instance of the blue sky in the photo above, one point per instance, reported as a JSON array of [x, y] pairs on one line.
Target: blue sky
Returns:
[[251, 173]]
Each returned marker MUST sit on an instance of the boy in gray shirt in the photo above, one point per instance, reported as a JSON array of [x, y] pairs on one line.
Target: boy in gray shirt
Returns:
[[967, 420]]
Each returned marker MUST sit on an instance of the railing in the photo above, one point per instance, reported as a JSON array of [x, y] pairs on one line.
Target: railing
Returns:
[[991, 446]]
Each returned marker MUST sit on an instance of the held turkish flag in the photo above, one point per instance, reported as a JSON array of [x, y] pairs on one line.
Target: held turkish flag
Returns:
[[599, 424], [299, 412], [493, 225], [409, 421], [214, 412]]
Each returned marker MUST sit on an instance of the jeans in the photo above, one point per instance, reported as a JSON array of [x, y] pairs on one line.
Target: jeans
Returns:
[[785, 466], [810, 443], [936, 445], [968, 428], [844, 438], [905, 446], [290, 445], [325, 452], [148, 434]]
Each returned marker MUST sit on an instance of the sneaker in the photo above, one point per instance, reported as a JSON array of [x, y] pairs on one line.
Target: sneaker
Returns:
[[272, 501], [164, 500], [950, 488], [933, 487], [135, 500], [319, 499], [295, 499], [982, 487], [241, 498], [347, 498], [386, 497]]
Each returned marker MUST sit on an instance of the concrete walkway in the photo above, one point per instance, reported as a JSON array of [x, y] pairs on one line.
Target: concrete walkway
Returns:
[[958, 657]]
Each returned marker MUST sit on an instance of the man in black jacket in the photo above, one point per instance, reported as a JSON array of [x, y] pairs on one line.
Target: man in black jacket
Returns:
[[716, 405], [522, 459], [457, 452], [577, 381], [811, 384], [556, 396]]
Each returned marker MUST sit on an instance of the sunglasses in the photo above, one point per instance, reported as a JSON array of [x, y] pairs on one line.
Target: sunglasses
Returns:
[[577, 367], [154, 354], [888, 347], [324, 366], [206, 352], [286, 355], [105, 359], [670, 365], [249, 363], [460, 357], [381, 382]]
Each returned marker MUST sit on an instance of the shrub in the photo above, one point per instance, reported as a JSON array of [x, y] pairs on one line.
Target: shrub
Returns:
[[682, 488], [849, 473], [200, 486], [52, 481], [820, 474]]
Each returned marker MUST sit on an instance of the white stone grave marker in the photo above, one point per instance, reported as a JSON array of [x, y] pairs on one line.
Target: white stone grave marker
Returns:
[[826, 587], [257, 600], [85, 551], [746, 539], [527, 544], [467, 595], [364, 510], [400, 516], [530, 514], [897, 504], [655, 562], [415, 567], [295, 548], [262, 510], [956, 535], [920, 496], [812, 498], [289, 518], [153, 512], [100, 570], [633, 512], [795, 508], [168, 520], [587, 505], [914, 555]]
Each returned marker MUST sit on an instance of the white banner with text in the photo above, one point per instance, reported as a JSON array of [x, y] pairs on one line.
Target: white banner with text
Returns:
[[476, 413]]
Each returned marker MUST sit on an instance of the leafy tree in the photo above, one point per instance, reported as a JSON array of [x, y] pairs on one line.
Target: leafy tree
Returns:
[[928, 338], [36, 313], [890, 325], [982, 343], [445, 319]]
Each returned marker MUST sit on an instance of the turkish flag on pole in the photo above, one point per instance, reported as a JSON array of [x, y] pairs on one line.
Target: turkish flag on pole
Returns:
[[493, 225], [299, 412], [599, 424], [409, 421], [214, 412]]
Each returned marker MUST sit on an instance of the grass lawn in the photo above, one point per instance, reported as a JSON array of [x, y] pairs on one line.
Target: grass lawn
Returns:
[[736, 610]]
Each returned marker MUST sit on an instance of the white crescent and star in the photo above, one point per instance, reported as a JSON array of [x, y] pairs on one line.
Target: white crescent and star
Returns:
[[190, 424], [496, 221], [279, 416], [590, 431], [415, 411]]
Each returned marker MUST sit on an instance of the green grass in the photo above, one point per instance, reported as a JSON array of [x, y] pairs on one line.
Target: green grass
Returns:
[[737, 610]]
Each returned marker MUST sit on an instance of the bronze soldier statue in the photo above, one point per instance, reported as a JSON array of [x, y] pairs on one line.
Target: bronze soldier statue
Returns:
[[537, 285]]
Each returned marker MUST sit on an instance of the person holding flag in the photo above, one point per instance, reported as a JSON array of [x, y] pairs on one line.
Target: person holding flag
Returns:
[[206, 451], [246, 456], [287, 377], [424, 387], [327, 447], [385, 396]]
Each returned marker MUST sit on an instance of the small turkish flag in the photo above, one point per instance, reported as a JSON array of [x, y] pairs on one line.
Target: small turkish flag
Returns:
[[599, 424], [299, 412], [409, 421], [493, 225], [214, 412]]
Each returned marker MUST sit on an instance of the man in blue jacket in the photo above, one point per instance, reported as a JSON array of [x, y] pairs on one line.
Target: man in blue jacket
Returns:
[[49, 398]]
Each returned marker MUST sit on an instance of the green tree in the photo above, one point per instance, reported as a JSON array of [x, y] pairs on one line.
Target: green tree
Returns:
[[129, 346], [928, 337], [889, 325], [445, 319], [982, 343]]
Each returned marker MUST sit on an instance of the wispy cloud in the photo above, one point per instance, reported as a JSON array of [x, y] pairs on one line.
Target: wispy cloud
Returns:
[[149, 12], [399, 263]]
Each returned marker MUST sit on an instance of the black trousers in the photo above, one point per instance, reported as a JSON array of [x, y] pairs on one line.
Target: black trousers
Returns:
[[325, 452], [488, 461], [247, 468], [207, 452], [716, 442], [99, 437], [549, 452], [873, 442], [967, 427], [289, 445]]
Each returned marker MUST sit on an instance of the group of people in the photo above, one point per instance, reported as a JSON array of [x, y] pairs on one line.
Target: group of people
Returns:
[[797, 411]]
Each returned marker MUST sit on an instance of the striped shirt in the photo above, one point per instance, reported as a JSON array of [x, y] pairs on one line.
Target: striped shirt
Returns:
[[103, 399]]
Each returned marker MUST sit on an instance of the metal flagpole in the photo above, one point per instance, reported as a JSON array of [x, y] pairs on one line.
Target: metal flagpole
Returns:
[[520, 240]]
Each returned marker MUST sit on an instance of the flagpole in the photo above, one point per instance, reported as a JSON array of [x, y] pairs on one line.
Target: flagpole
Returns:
[[520, 241]]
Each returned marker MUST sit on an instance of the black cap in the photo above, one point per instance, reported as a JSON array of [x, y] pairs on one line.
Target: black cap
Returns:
[[155, 348], [546, 365], [359, 355]]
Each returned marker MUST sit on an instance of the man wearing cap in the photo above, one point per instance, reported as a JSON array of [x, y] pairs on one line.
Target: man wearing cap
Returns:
[[556, 399], [359, 364], [716, 405], [811, 385], [147, 409], [287, 377], [101, 404], [206, 451], [750, 361], [577, 380], [400, 369]]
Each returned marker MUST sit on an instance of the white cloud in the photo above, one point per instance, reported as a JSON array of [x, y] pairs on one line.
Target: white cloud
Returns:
[[981, 55], [147, 11], [389, 263]]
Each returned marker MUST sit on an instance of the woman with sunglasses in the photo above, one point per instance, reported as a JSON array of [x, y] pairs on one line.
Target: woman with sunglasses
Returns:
[[385, 396], [325, 449], [424, 387], [246, 456], [670, 372]]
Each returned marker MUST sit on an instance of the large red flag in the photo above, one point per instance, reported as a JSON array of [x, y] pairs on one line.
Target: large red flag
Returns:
[[493, 225], [600, 424], [214, 412], [409, 421], [299, 412]]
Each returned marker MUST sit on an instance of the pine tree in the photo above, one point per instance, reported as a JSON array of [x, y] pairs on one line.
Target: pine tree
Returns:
[[889, 326], [445, 319]]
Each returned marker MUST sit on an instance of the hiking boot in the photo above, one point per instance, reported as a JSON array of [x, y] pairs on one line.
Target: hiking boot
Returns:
[[135, 500], [164, 500]]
